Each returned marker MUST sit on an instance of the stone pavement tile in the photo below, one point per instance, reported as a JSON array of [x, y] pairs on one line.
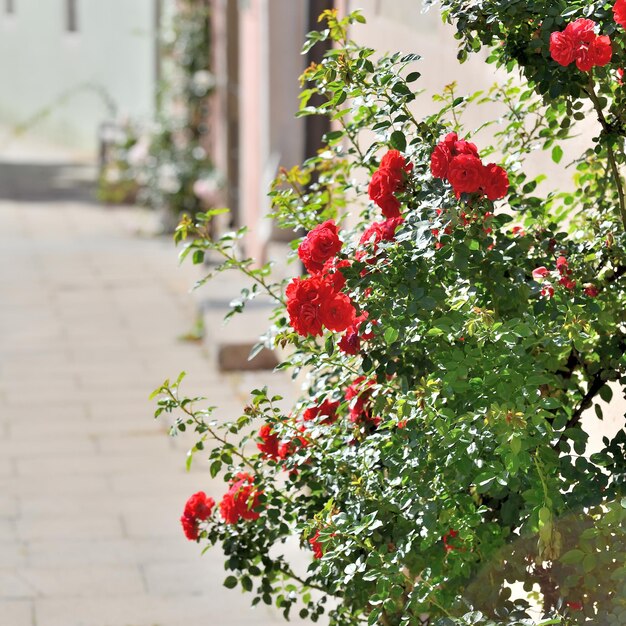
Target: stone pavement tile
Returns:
[[7, 467], [13, 586], [103, 464], [13, 554], [211, 608], [8, 531], [126, 551], [17, 613], [8, 505], [25, 486], [157, 443], [184, 577], [102, 580], [45, 504], [86, 526], [27, 447]]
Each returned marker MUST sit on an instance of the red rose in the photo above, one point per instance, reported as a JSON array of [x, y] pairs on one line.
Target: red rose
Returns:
[[269, 442], [190, 527], [584, 62], [381, 189], [359, 395], [619, 13], [316, 546], [199, 506], [440, 161], [451, 534], [197, 509], [240, 500], [320, 245], [377, 232], [337, 312], [495, 182], [465, 174], [289, 447], [579, 42], [332, 273], [600, 51], [396, 162], [563, 48], [591, 290], [464, 147], [303, 305], [449, 140], [388, 179], [327, 410], [581, 30], [540, 272], [350, 342]]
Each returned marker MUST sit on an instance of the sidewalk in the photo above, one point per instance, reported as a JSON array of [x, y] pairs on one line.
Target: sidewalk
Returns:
[[91, 486]]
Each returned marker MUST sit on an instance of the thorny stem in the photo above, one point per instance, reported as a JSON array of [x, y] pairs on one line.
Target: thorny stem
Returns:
[[353, 140], [242, 267], [215, 436], [211, 432], [288, 572], [609, 148]]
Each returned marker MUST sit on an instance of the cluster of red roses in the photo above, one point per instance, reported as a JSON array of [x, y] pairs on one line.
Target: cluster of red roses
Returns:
[[564, 274], [458, 162], [579, 42], [317, 301], [241, 500], [273, 448], [374, 234], [197, 509], [388, 179], [238, 503]]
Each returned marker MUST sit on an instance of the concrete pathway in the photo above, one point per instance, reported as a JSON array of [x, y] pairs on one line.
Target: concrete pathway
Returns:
[[91, 487]]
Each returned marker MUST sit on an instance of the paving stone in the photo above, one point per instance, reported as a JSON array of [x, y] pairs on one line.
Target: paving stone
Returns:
[[92, 487], [17, 613]]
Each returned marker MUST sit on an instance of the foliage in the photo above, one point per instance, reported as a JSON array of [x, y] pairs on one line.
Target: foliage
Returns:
[[443, 461]]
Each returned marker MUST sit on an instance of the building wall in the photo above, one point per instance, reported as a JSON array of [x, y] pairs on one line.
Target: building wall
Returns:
[[68, 82], [271, 36]]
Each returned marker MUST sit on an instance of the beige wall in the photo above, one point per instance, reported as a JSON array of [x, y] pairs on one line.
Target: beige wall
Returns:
[[64, 75], [272, 33]]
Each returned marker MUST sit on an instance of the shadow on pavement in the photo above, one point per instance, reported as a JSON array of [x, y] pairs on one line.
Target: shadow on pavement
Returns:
[[47, 182]]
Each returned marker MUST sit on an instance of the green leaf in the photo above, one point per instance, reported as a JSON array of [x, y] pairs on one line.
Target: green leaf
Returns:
[[391, 335], [215, 468], [557, 154], [398, 140], [572, 557], [230, 582], [329, 345]]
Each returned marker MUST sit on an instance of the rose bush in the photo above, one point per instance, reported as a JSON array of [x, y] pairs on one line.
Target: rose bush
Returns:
[[452, 333]]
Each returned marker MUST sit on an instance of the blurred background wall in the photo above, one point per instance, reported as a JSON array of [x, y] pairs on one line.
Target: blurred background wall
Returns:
[[68, 65]]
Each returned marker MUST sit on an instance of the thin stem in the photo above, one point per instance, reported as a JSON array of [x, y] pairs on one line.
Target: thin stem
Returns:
[[307, 583], [591, 92], [211, 432]]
